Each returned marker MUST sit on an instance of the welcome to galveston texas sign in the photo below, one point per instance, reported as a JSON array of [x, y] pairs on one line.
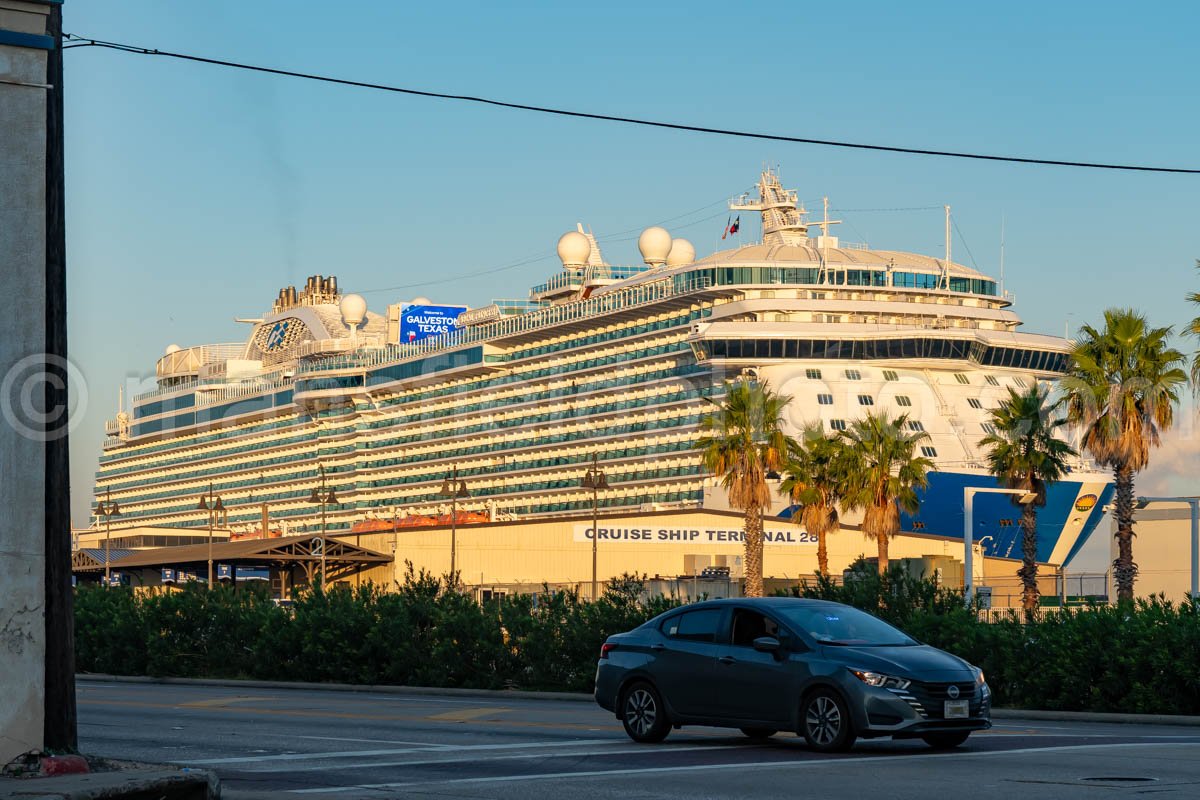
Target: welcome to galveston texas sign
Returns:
[[789, 536]]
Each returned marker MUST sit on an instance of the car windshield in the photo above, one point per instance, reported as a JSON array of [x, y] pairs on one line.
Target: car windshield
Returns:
[[840, 625]]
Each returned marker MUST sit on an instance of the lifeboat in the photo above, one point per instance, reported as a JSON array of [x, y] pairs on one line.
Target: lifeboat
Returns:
[[418, 521]]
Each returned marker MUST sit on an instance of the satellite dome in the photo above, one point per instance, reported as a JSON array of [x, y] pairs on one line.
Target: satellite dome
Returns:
[[682, 252], [655, 244], [422, 301], [354, 309], [574, 249], [172, 349]]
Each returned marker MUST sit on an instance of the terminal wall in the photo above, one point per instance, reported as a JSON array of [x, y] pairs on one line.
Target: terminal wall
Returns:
[[666, 544]]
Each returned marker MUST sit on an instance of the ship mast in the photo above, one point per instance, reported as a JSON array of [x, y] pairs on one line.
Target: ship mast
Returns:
[[782, 215]]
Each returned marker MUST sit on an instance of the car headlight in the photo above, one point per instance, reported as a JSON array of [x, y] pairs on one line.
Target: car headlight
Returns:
[[880, 680], [979, 679]]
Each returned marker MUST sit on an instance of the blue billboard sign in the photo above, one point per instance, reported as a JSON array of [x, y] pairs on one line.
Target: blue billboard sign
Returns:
[[422, 322]]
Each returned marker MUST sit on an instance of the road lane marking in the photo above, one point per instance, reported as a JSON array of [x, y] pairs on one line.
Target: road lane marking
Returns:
[[452, 758], [732, 765], [374, 741], [393, 751], [223, 702], [467, 714]]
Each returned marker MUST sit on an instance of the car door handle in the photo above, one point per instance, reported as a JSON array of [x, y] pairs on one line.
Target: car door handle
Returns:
[[727, 660], [657, 647]]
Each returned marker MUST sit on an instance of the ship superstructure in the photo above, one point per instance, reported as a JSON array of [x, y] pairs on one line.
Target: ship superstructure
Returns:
[[615, 361]]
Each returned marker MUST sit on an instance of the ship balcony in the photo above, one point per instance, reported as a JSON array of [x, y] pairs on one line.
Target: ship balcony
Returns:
[[112, 427]]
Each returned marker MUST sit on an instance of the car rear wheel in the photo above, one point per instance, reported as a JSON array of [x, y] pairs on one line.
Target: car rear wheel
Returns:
[[825, 722], [945, 741], [643, 714], [759, 733]]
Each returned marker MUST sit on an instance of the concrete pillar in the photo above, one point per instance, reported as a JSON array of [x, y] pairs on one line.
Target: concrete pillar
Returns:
[[24, 47]]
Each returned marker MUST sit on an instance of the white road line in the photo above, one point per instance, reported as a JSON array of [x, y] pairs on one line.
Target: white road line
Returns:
[[375, 741], [733, 765], [454, 760], [389, 752]]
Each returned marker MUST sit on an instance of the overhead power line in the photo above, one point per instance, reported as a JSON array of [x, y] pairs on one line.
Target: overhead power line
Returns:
[[80, 41]]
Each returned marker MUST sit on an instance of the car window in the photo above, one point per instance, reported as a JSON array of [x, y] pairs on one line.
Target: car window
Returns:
[[694, 626], [841, 625], [750, 625]]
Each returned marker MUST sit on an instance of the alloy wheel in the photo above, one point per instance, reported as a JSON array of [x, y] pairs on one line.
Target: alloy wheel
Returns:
[[641, 711], [824, 720]]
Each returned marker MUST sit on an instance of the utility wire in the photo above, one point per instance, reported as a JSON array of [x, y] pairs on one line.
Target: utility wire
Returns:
[[79, 41]]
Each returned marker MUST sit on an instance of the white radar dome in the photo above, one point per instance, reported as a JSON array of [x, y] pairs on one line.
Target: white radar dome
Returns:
[[574, 249], [422, 301], [682, 252], [354, 309], [655, 244], [172, 349]]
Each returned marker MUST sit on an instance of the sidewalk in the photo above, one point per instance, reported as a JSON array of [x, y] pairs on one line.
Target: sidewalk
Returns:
[[135, 780], [997, 713]]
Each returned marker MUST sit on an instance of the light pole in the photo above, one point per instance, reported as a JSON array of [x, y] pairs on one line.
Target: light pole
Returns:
[[107, 508], [323, 497], [969, 492], [453, 488], [595, 480], [1194, 505], [214, 507]]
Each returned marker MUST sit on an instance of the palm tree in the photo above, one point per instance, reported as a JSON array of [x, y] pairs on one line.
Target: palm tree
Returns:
[[742, 441], [886, 477], [816, 477], [1024, 453], [1193, 329], [1122, 389]]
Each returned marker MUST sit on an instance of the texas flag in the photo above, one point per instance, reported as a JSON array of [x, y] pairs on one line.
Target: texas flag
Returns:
[[732, 228]]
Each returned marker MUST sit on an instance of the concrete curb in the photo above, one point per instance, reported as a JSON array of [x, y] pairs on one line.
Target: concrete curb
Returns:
[[173, 784], [494, 694], [1096, 716], [344, 687]]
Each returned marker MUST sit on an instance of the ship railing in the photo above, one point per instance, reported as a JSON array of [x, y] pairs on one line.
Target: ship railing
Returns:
[[625, 297]]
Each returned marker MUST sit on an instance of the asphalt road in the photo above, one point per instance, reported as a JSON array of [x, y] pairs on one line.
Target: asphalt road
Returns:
[[306, 743]]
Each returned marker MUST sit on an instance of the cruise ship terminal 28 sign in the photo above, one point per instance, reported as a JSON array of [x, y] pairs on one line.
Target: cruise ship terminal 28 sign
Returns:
[[648, 535], [422, 322]]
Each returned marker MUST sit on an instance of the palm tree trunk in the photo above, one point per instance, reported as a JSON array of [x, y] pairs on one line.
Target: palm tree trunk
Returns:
[[1028, 571], [822, 554], [754, 552], [881, 536], [1124, 568]]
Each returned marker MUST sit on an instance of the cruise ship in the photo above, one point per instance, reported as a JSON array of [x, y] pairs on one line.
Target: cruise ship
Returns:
[[619, 363]]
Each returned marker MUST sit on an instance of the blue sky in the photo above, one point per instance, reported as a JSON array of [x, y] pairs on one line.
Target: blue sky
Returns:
[[196, 192]]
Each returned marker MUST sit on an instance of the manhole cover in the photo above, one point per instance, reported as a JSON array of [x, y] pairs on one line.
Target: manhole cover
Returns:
[[1119, 779]]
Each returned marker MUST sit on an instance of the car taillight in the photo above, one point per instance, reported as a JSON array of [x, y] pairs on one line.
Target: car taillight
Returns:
[[605, 648]]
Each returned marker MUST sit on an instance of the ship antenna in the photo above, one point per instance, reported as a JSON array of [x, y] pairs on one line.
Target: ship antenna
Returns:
[[1002, 254], [946, 267]]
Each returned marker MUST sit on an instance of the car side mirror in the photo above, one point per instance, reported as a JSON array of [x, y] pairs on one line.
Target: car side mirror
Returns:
[[766, 644]]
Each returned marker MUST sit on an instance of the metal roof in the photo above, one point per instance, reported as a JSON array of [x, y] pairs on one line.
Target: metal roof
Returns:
[[289, 549]]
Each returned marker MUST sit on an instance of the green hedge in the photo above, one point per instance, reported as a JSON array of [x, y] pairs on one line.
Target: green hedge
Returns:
[[1139, 658]]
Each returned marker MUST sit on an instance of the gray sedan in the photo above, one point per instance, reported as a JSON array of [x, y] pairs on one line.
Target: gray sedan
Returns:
[[829, 672]]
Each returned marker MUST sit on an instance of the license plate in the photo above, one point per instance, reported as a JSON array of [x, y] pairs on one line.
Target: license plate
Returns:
[[957, 709]]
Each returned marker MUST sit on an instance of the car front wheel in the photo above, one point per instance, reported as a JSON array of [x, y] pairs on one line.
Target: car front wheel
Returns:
[[825, 722], [643, 714], [945, 741]]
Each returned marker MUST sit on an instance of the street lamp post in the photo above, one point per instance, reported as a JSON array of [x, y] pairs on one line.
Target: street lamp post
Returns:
[[969, 493], [322, 496], [595, 480], [1194, 505], [214, 507], [453, 488], [107, 508]]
